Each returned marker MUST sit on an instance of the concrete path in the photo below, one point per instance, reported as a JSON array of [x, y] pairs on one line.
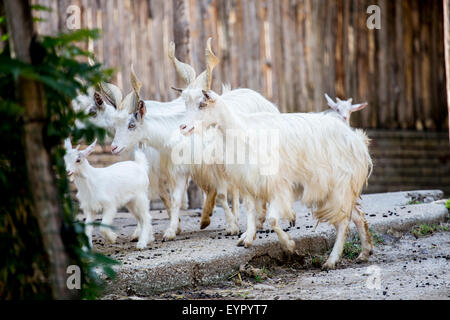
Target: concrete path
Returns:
[[199, 257]]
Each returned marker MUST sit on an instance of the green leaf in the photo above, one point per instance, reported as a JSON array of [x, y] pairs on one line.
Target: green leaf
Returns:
[[38, 7]]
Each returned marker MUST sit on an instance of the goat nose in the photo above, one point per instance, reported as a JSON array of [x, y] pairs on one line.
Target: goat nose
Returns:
[[183, 126], [113, 148]]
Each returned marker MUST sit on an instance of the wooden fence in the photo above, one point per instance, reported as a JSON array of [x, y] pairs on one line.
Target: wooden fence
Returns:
[[292, 51]]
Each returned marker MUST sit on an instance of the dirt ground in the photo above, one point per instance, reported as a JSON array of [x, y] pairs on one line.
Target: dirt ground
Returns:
[[403, 266]]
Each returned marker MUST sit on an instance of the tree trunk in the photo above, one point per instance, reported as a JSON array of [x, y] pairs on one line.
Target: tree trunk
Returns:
[[181, 36], [447, 53], [46, 204]]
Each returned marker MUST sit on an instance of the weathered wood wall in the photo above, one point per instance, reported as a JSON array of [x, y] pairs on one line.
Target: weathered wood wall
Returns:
[[292, 51]]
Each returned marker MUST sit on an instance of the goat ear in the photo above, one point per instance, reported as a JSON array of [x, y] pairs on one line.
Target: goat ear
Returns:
[[142, 110], [207, 95], [67, 144], [330, 101], [177, 89], [98, 100], [89, 149], [357, 107]]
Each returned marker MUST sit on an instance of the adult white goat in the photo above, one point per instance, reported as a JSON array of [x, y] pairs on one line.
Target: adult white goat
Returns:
[[107, 189], [154, 131], [320, 159], [209, 175]]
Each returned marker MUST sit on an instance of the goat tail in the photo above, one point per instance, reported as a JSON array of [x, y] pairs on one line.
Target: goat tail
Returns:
[[141, 159]]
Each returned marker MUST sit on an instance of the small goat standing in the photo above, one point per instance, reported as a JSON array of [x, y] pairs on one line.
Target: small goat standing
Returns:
[[107, 189]]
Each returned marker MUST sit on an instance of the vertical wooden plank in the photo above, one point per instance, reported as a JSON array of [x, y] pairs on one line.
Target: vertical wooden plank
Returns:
[[288, 53], [399, 31], [300, 64], [383, 67], [329, 62], [424, 38], [446, 4], [372, 96], [362, 67], [408, 63], [417, 63], [267, 54], [150, 53]]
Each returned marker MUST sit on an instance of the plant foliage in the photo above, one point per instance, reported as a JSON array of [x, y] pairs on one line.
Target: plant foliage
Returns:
[[56, 64]]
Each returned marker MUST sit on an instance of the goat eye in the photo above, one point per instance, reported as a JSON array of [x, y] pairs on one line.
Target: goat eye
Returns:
[[131, 126]]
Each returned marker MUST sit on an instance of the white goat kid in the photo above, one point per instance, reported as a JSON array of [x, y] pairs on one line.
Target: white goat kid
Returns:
[[319, 158], [107, 189], [343, 108]]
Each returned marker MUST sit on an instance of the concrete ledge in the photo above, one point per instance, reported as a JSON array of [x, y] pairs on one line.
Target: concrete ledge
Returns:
[[207, 256]]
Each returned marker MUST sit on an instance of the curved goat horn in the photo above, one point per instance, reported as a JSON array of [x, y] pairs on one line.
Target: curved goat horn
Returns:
[[186, 72], [135, 83], [211, 62], [112, 93]]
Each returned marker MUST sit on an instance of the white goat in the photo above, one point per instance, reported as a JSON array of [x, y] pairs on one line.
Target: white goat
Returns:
[[103, 113], [208, 176], [154, 130], [343, 108], [107, 189], [320, 159]]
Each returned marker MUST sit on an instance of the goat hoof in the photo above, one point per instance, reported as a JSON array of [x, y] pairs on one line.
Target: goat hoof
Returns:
[[248, 244], [110, 236], [141, 245], [363, 257], [169, 235], [204, 224], [232, 231], [241, 240], [135, 237], [329, 266], [290, 246]]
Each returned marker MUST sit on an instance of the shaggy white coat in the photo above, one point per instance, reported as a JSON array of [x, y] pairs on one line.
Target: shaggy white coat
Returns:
[[321, 161]]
